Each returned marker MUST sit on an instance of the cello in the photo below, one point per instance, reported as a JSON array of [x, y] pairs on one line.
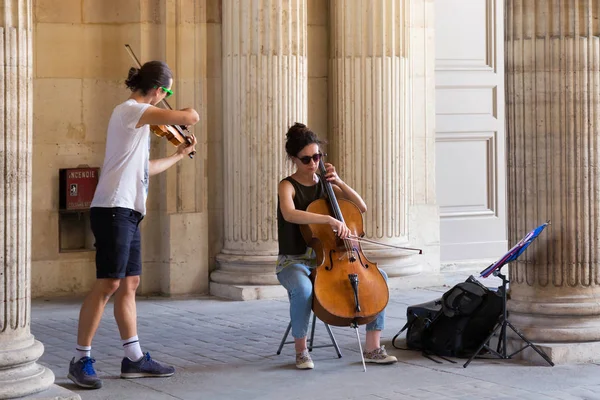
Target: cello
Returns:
[[348, 289]]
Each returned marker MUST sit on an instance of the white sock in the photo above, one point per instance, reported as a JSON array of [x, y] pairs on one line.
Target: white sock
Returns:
[[82, 351], [132, 348]]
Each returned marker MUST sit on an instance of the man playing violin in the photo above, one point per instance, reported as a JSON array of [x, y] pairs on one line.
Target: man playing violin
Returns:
[[296, 260], [117, 209]]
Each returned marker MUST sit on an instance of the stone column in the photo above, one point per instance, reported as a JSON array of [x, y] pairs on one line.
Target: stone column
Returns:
[[264, 92], [20, 375], [553, 110], [373, 138]]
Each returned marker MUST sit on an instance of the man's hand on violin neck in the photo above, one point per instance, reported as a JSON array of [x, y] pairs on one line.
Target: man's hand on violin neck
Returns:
[[187, 148]]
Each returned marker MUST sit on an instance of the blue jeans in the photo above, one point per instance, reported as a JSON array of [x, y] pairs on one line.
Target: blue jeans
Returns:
[[296, 279]]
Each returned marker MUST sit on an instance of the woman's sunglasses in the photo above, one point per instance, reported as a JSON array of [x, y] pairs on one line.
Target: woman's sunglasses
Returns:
[[169, 92], [306, 159]]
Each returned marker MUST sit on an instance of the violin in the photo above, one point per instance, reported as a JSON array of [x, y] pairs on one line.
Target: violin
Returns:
[[175, 134], [348, 288]]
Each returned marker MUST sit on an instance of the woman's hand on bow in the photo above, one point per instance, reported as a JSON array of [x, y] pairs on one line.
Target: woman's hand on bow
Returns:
[[339, 228]]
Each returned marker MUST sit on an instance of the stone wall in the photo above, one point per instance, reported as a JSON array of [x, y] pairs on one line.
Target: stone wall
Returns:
[[80, 64]]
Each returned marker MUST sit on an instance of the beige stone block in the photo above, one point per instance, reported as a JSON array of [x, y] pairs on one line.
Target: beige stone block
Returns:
[[187, 93], [150, 10], [69, 155], [188, 12], [187, 266], [57, 11], [118, 11], [318, 105], [213, 11], [99, 98], [45, 181], [104, 53], [191, 60], [152, 240], [318, 12], [214, 60], [70, 277], [318, 51], [214, 106], [156, 193], [150, 278], [57, 111], [44, 233], [59, 50], [45, 184], [215, 221]]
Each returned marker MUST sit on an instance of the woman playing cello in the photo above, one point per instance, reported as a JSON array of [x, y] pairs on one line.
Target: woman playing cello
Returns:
[[296, 260]]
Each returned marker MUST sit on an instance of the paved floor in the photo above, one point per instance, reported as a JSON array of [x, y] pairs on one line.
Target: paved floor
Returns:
[[227, 350]]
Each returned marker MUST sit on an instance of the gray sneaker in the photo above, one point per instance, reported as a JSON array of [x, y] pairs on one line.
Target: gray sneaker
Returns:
[[144, 367], [82, 373]]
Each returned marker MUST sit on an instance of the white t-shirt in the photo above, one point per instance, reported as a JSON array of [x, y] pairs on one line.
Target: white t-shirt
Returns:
[[124, 174]]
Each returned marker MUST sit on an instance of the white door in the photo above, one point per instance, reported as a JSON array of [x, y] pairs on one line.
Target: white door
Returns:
[[470, 148]]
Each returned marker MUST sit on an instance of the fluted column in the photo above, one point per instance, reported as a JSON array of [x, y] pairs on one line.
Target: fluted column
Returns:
[[553, 111], [264, 92], [371, 139], [19, 373]]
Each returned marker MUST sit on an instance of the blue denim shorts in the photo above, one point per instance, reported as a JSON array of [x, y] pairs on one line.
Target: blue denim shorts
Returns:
[[118, 242]]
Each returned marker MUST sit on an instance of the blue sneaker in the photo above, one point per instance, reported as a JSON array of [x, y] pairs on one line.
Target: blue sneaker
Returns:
[[144, 367], [82, 373]]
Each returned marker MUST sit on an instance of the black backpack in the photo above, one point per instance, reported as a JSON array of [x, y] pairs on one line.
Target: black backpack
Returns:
[[454, 325]]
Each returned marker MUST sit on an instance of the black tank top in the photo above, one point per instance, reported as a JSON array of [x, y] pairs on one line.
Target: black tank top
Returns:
[[291, 241]]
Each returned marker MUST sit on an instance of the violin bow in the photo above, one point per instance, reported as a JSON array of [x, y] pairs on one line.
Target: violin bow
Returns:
[[180, 128]]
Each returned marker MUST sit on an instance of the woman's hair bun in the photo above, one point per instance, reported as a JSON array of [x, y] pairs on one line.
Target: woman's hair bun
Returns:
[[297, 130], [133, 78], [299, 136]]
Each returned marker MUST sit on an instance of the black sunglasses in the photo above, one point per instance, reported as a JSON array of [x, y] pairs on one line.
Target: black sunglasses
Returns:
[[306, 159]]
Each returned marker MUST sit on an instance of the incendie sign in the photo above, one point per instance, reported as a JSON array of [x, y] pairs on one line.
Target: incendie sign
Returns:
[[77, 187]]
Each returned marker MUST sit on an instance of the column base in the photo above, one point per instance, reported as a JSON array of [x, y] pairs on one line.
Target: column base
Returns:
[[247, 292], [54, 393], [411, 282], [396, 263], [559, 353], [24, 380], [20, 375]]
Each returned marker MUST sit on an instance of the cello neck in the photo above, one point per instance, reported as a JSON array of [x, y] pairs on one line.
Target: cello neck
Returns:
[[337, 213]]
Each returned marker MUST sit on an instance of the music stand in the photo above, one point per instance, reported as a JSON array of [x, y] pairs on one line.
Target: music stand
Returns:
[[495, 269]]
